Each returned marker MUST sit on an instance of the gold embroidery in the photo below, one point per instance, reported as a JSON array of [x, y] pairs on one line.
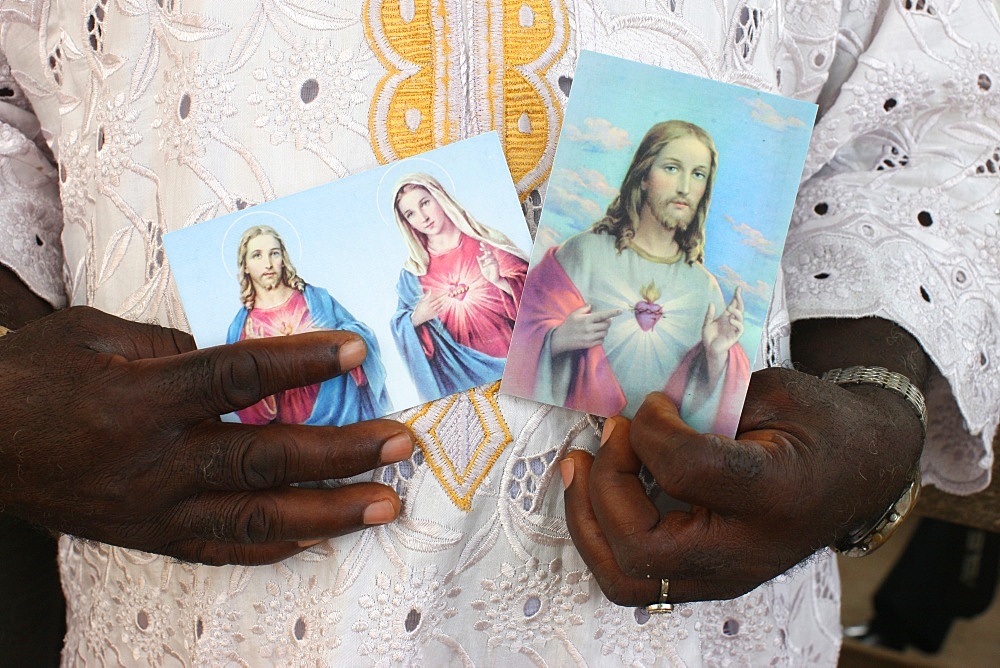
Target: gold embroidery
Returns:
[[461, 437], [531, 114], [401, 119], [446, 80]]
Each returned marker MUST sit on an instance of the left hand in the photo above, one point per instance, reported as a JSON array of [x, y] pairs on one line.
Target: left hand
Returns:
[[490, 267], [813, 461]]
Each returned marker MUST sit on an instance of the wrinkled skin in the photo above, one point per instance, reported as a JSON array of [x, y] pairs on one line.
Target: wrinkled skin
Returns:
[[109, 430], [811, 462]]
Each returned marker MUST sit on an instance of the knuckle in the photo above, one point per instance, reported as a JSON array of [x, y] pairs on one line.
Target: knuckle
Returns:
[[236, 378], [257, 520], [259, 464]]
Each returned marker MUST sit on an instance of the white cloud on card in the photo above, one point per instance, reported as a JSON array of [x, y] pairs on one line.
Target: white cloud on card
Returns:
[[572, 204], [599, 135], [764, 113], [752, 237], [586, 180], [758, 295]]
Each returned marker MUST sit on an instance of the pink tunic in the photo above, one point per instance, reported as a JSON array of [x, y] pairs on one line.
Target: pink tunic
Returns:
[[478, 314]]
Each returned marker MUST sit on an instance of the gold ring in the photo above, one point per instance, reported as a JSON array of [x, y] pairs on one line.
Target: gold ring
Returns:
[[661, 607]]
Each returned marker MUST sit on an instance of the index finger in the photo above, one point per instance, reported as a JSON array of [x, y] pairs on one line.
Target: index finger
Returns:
[[719, 473], [623, 510], [215, 381], [601, 316], [737, 300]]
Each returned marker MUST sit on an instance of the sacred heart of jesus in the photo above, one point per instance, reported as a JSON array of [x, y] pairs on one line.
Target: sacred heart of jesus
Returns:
[[648, 312], [457, 290]]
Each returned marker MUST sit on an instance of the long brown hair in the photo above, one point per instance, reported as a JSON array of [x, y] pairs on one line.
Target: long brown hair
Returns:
[[622, 216]]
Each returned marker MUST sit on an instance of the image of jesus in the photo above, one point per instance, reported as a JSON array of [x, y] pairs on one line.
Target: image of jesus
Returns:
[[278, 302], [627, 307], [459, 291]]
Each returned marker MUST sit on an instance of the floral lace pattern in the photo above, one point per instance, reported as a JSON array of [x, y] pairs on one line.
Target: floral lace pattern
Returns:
[[900, 217], [164, 114], [29, 210]]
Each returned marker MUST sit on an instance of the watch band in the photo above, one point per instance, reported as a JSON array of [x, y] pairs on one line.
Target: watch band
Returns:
[[868, 538], [882, 377]]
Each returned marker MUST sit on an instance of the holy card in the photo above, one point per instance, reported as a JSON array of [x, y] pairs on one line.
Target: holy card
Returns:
[[658, 245], [424, 259]]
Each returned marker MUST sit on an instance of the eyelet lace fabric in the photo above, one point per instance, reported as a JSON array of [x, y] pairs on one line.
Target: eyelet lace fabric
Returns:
[[30, 215], [165, 114], [900, 214]]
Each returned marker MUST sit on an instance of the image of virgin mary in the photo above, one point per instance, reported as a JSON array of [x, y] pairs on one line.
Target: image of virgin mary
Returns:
[[459, 291]]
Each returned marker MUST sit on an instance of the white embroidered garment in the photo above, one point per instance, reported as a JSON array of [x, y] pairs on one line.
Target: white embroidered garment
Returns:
[[164, 114], [900, 217]]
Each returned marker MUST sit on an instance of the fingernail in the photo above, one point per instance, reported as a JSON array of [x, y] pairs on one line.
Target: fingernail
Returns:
[[379, 512], [609, 426], [566, 469], [306, 544], [396, 449], [352, 354]]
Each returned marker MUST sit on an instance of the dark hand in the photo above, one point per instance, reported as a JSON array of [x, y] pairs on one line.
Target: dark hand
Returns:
[[109, 430], [813, 461]]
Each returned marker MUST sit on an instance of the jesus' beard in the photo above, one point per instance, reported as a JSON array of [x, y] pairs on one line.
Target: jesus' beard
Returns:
[[671, 218], [270, 282]]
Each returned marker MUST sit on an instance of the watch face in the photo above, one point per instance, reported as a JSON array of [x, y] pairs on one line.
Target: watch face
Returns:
[[861, 543]]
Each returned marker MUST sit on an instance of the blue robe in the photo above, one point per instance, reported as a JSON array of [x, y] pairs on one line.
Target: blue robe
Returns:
[[340, 400], [454, 367]]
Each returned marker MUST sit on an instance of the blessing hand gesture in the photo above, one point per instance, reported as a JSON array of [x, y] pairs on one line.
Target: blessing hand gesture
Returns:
[[719, 334]]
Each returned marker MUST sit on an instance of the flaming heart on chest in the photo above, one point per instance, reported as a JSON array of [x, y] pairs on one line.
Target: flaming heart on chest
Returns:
[[457, 290], [648, 312]]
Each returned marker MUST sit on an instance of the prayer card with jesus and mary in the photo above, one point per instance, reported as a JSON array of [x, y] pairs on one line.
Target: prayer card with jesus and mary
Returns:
[[424, 259], [658, 245]]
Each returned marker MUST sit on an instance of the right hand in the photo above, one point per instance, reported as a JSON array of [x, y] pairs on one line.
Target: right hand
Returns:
[[428, 307], [582, 329], [109, 430]]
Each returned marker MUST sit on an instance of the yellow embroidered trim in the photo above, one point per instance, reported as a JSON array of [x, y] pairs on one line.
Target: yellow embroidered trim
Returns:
[[532, 112], [404, 99], [455, 69], [430, 422]]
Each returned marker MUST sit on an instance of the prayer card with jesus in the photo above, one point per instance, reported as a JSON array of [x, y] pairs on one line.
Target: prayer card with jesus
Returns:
[[424, 259], [658, 245]]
